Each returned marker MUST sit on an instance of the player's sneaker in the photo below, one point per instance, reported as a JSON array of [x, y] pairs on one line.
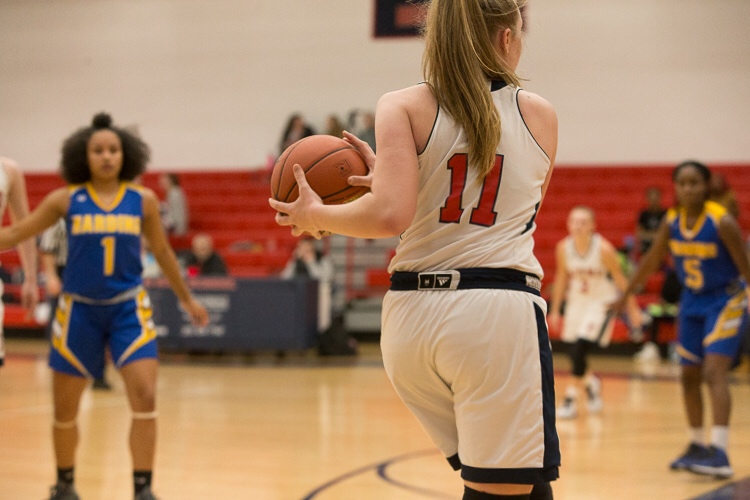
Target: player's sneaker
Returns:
[[594, 400], [649, 353], [693, 453], [567, 410], [712, 463], [63, 491], [146, 494]]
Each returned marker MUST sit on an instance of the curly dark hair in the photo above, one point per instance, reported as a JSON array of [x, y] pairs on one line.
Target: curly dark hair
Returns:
[[702, 169], [74, 165]]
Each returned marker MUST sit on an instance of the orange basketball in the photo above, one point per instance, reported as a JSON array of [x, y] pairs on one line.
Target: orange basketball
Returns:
[[328, 162]]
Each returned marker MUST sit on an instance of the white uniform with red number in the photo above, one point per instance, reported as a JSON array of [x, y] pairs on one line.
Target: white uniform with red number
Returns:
[[462, 359], [590, 292], [4, 188]]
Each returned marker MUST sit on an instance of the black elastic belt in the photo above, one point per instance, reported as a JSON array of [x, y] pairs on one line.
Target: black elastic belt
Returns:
[[466, 279]]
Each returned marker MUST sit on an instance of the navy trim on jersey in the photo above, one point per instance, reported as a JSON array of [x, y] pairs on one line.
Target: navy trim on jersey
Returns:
[[551, 461], [496, 85], [527, 126], [533, 218]]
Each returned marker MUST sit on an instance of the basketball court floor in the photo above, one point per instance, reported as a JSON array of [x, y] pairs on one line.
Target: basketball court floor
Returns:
[[302, 427]]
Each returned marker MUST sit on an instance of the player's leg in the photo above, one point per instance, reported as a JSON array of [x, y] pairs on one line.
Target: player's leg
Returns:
[[722, 340], [133, 347], [582, 380], [690, 349], [140, 384], [66, 394], [76, 356]]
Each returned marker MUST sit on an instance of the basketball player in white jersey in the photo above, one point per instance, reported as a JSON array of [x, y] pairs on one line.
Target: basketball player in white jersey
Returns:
[[462, 166], [13, 197], [588, 276]]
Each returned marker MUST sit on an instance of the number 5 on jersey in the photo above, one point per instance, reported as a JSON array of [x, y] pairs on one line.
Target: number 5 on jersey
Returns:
[[484, 213]]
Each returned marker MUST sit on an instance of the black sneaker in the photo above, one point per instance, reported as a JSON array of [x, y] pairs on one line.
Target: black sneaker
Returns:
[[146, 494], [63, 491], [693, 453]]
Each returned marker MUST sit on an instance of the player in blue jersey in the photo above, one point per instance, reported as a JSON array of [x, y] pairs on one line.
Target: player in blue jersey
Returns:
[[709, 256], [103, 304]]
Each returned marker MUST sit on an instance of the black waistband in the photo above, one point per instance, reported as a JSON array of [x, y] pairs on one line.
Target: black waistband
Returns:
[[465, 279]]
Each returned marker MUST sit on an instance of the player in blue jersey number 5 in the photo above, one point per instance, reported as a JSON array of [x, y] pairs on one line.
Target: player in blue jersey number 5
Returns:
[[104, 304], [710, 260]]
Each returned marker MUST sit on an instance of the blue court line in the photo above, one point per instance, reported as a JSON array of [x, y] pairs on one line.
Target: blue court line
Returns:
[[381, 468], [737, 490]]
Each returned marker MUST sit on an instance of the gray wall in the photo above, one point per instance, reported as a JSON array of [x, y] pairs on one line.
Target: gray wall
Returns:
[[210, 84]]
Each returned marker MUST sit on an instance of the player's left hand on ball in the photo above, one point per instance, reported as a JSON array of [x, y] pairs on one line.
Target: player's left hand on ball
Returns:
[[298, 213], [369, 156]]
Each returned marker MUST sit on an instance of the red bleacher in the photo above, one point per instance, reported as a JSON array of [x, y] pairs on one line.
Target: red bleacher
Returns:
[[232, 206]]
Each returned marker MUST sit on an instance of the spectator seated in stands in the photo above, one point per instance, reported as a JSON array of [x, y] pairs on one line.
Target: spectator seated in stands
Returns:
[[203, 260], [649, 219], [175, 215]]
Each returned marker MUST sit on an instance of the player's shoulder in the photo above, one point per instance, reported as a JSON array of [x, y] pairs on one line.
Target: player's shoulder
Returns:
[[715, 211], [671, 215], [534, 106], [411, 99], [9, 164]]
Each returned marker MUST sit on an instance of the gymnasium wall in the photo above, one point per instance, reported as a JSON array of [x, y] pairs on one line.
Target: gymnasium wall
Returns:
[[210, 84]]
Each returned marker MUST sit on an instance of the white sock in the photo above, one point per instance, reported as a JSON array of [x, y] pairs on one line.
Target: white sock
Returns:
[[720, 436], [571, 392], [697, 435]]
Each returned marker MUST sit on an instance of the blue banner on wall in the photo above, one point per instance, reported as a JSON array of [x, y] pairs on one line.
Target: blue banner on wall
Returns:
[[245, 315]]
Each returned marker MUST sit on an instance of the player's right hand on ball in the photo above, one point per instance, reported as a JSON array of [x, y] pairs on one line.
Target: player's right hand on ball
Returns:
[[298, 213]]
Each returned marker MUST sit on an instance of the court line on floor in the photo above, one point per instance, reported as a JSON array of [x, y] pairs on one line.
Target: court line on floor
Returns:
[[380, 468], [733, 491]]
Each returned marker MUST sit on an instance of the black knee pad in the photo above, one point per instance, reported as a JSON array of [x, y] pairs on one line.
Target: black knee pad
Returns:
[[471, 494], [578, 354], [542, 491]]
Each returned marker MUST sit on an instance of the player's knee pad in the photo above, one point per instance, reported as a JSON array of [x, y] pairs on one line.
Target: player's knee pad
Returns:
[[542, 491], [145, 415], [578, 355]]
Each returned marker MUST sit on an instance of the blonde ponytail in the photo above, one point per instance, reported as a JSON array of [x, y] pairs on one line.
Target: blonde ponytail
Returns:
[[458, 60]]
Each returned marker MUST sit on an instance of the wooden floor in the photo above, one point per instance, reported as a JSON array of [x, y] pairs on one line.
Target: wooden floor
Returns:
[[303, 427]]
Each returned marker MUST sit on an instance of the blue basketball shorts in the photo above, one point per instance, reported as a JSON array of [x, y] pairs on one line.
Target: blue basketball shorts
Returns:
[[81, 332], [710, 325]]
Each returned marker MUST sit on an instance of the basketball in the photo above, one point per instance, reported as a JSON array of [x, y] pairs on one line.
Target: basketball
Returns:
[[328, 162]]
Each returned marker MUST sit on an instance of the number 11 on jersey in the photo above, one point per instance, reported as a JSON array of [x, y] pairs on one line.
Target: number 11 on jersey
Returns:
[[484, 213]]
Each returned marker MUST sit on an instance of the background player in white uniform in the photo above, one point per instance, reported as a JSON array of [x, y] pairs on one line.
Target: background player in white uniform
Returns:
[[13, 196], [587, 275], [462, 166]]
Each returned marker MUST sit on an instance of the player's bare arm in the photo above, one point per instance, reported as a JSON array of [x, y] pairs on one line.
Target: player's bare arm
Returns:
[[731, 236], [52, 207], [153, 231], [560, 285], [649, 264], [541, 118], [18, 207], [391, 204]]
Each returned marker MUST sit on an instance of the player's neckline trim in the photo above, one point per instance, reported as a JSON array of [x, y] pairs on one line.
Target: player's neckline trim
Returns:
[[115, 202]]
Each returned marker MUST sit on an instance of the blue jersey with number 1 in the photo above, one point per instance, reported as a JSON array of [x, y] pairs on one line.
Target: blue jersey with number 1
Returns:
[[104, 242]]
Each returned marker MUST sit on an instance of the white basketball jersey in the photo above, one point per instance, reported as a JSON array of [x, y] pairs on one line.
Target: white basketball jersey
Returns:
[[461, 223], [588, 277]]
